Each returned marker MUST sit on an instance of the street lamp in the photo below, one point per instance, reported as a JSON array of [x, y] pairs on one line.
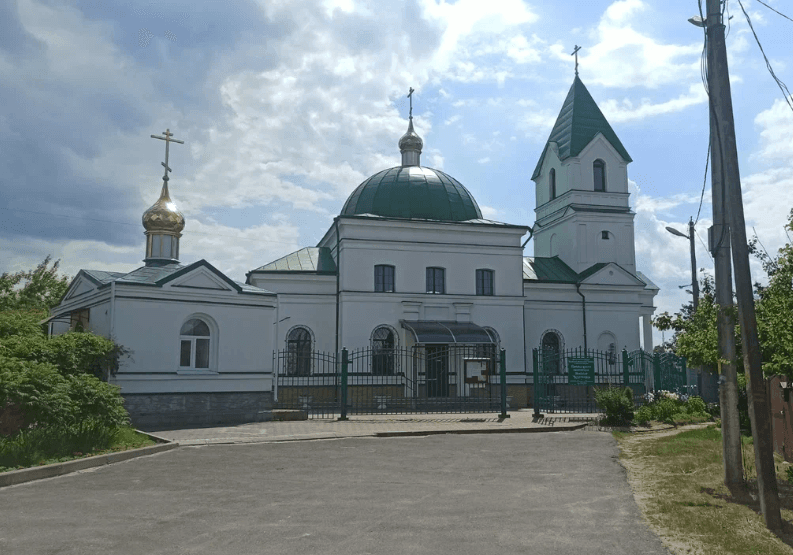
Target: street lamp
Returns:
[[690, 237]]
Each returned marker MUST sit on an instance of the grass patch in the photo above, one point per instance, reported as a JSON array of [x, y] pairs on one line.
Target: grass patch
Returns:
[[47, 448], [679, 481]]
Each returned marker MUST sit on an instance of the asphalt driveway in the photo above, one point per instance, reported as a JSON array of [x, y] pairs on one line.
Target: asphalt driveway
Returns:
[[556, 493]]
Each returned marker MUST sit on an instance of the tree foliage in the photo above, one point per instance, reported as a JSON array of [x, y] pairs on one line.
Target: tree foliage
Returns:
[[696, 336], [39, 289]]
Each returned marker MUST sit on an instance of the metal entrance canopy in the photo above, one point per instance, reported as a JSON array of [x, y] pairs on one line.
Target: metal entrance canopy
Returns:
[[433, 331]]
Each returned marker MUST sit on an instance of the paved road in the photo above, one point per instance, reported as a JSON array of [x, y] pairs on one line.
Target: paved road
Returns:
[[554, 493]]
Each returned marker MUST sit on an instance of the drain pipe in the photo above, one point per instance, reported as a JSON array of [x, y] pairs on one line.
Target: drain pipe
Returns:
[[338, 276], [583, 310]]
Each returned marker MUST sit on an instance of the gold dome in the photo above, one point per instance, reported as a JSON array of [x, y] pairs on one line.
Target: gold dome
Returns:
[[163, 216]]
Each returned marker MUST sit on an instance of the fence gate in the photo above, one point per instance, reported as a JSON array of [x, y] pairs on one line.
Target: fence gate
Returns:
[[565, 381], [418, 379], [309, 381]]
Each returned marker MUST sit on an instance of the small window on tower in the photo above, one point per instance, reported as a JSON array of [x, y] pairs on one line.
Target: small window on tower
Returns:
[[552, 180], [605, 235]]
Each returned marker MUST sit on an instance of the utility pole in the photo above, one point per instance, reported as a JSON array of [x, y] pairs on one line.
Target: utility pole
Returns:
[[694, 280], [719, 245], [721, 107]]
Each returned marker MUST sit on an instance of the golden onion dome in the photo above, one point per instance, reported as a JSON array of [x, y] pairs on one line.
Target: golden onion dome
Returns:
[[163, 215]]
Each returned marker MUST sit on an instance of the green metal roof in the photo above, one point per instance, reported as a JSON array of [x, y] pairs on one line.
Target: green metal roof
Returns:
[[548, 269], [309, 259], [579, 121], [649, 283], [413, 192]]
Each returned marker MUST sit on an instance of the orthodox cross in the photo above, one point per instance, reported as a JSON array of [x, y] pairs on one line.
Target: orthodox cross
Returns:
[[575, 53], [410, 96], [168, 140]]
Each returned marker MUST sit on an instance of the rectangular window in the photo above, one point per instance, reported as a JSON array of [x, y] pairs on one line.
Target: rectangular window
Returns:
[[184, 356], [384, 279], [79, 320], [436, 280], [484, 282], [604, 235], [202, 353]]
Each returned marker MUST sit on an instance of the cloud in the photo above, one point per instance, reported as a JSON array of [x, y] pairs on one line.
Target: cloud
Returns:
[[625, 57], [626, 110], [483, 160], [455, 118]]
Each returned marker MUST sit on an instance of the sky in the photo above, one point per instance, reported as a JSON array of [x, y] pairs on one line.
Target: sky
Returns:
[[285, 106]]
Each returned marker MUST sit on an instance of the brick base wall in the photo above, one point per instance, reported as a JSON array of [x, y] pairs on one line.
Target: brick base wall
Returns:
[[153, 411]]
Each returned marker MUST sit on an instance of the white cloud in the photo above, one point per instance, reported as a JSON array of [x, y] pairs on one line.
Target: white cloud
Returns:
[[483, 160], [455, 118], [626, 110], [489, 213]]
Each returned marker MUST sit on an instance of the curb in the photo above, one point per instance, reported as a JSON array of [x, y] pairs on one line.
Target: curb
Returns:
[[395, 433], [482, 431], [14, 477]]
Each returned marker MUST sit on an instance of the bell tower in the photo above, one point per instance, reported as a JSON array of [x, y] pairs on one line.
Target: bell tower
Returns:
[[581, 188]]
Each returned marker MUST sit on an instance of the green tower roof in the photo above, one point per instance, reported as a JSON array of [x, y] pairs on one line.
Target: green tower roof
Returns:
[[579, 121], [413, 192]]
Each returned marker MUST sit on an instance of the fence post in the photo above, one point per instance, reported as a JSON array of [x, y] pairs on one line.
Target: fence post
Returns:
[[345, 360], [503, 376], [535, 361], [626, 373], [656, 371]]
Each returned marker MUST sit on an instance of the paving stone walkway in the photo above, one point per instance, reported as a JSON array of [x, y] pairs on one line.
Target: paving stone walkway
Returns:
[[521, 421]]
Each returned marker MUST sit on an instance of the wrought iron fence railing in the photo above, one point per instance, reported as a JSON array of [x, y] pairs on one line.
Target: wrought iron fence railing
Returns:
[[419, 379]]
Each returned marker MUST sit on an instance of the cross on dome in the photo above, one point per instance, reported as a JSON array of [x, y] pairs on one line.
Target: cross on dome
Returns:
[[168, 140]]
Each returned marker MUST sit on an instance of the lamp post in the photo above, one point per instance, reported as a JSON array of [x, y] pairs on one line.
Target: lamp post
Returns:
[[690, 237]]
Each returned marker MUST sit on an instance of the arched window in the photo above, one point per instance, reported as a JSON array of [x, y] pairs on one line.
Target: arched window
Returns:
[[607, 344], [298, 352], [383, 351], [552, 352], [599, 172], [552, 183], [195, 344]]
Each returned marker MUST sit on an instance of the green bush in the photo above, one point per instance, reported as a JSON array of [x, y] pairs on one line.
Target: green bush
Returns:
[[21, 322], [644, 414], [49, 399], [696, 406], [33, 445], [665, 410], [616, 404], [71, 353]]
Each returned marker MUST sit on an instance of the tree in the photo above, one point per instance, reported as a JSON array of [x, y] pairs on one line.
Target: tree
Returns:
[[696, 333], [775, 307], [39, 289]]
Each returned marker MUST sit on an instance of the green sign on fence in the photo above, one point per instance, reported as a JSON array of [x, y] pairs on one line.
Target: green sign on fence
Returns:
[[581, 371]]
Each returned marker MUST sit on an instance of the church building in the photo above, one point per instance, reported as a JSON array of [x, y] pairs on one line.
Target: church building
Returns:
[[409, 263]]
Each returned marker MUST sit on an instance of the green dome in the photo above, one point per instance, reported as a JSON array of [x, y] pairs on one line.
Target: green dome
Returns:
[[413, 192]]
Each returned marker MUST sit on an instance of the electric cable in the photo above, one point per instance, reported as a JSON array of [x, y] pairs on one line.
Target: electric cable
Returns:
[[785, 92], [773, 10], [704, 183]]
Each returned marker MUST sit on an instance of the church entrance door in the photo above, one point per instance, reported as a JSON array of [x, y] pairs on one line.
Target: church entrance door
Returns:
[[437, 362]]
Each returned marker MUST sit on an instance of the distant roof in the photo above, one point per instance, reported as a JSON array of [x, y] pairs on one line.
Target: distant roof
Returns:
[[645, 279], [554, 270], [475, 221], [548, 269], [159, 275], [579, 121], [309, 259]]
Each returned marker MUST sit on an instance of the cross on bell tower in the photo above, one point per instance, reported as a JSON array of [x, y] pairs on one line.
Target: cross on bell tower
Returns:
[[575, 53]]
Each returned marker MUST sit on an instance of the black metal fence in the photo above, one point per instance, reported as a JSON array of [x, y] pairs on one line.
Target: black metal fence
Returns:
[[565, 381], [419, 379]]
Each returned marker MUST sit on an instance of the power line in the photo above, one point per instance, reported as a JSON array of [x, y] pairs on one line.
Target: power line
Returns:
[[773, 10], [703, 244], [138, 225], [704, 183], [780, 84]]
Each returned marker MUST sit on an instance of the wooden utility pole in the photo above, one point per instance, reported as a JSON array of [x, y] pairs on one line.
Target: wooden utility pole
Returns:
[[719, 245], [721, 106]]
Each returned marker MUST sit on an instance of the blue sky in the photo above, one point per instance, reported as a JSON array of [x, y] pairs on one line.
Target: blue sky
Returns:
[[285, 106]]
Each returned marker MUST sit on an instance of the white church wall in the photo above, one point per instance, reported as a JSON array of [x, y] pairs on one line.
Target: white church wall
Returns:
[[295, 283], [315, 312], [240, 352], [616, 168]]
